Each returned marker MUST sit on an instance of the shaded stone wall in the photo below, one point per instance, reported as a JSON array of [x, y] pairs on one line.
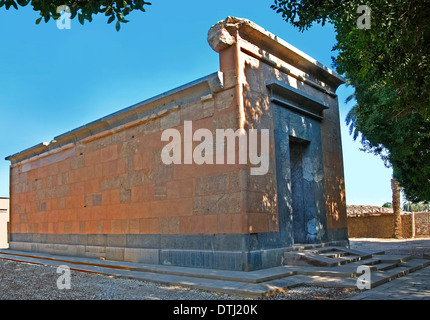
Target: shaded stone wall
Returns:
[[324, 199]]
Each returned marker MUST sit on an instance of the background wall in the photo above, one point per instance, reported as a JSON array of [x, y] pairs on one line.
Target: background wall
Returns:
[[380, 225], [4, 219]]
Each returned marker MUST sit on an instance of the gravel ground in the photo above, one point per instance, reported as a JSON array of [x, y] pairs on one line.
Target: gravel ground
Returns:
[[23, 281]]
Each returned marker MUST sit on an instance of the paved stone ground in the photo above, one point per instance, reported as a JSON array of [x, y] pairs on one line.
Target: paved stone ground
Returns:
[[416, 247], [414, 286]]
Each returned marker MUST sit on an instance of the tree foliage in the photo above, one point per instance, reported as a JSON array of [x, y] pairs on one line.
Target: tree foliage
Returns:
[[387, 205], [416, 207], [388, 66], [114, 10]]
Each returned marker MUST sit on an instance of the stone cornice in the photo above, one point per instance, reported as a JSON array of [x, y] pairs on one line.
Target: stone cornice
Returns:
[[224, 34]]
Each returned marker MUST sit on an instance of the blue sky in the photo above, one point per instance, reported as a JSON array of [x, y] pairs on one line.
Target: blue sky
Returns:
[[52, 80]]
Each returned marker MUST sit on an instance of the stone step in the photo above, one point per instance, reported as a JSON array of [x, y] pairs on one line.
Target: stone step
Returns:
[[368, 261], [335, 254], [380, 277], [364, 253], [331, 258], [415, 264], [377, 277], [345, 271], [321, 246], [339, 272], [300, 247], [333, 249], [241, 276], [386, 266], [300, 258], [324, 250], [395, 258]]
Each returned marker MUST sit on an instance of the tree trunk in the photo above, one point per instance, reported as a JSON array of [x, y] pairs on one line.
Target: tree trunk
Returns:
[[395, 188]]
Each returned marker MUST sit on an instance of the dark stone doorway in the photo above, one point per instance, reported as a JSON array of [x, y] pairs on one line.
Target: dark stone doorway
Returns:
[[297, 151]]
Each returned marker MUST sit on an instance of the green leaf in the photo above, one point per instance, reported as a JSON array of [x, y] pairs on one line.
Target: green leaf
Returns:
[[74, 13], [23, 3], [111, 19], [117, 26], [38, 20], [81, 18]]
